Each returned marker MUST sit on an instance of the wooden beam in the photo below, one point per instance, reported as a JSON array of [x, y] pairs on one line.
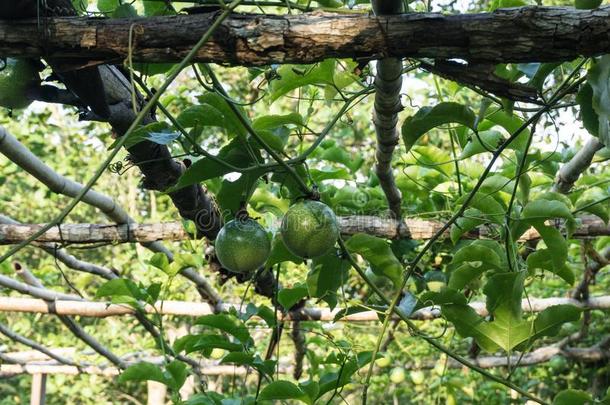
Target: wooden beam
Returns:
[[414, 228], [194, 309], [525, 34], [590, 354]]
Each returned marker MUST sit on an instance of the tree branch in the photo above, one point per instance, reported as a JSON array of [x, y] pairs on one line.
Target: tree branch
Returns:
[[24, 158], [36, 346], [74, 327], [571, 171], [66, 258]]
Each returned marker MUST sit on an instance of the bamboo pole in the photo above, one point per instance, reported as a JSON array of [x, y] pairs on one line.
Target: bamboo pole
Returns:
[[590, 226], [195, 309]]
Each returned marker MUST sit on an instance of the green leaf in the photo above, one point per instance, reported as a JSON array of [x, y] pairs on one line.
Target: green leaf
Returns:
[[287, 297], [572, 397], [414, 127], [340, 155], [232, 193], [279, 253], [291, 77], [226, 323], [326, 275], [484, 141], [495, 4], [205, 343], [554, 257], [504, 290], [269, 122], [177, 373], [538, 211], [336, 380], [478, 254], [435, 158], [484, 209], [245, 359], [587, 4], [267, 315], [319, 175], [511, 124], [464, 274], [121, 287], [234, 154], [231, 121], [160, 261], [157, 8], [587, 202], [143, 372], [145, 133], [282, 390], [446, 296], [544, 70], [107, 6], [590, 119], [203, 115], [599, 80], [311, 388], [378, 253], [467, 323], [549, 321], [125, 11]]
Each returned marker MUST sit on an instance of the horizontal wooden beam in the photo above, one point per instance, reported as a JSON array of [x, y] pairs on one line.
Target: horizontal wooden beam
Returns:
[[589, 227], [526, 34], [194, 309], [541, 355]]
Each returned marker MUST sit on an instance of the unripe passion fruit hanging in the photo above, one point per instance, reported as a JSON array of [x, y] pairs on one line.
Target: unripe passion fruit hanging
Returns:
[[17, 76], [242, 245], [309, 229]]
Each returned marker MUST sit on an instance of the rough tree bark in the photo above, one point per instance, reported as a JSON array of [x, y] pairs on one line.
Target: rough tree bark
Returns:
[[526, 34], [11, 233]]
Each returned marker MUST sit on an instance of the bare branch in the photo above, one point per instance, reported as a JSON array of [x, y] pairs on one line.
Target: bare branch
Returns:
[[571, 171], [36, 346], [24, 158], [66, 258], [591, 354], [75, 328]]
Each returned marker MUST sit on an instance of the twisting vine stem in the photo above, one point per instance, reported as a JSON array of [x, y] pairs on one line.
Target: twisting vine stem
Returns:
[[563, 89]]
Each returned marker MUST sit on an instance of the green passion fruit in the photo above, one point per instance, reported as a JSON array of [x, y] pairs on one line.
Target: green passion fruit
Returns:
[[309, 229], [17, 76], [242, 245]]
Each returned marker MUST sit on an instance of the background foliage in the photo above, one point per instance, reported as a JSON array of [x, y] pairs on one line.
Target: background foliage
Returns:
[[449, 135]]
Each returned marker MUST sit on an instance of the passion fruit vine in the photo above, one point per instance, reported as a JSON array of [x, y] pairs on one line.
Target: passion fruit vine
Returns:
[[309, 229], [17, 76], [242, 245]]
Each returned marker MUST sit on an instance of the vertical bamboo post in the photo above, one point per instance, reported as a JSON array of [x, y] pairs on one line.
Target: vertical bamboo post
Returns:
[[39, 389], [156, 393]]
